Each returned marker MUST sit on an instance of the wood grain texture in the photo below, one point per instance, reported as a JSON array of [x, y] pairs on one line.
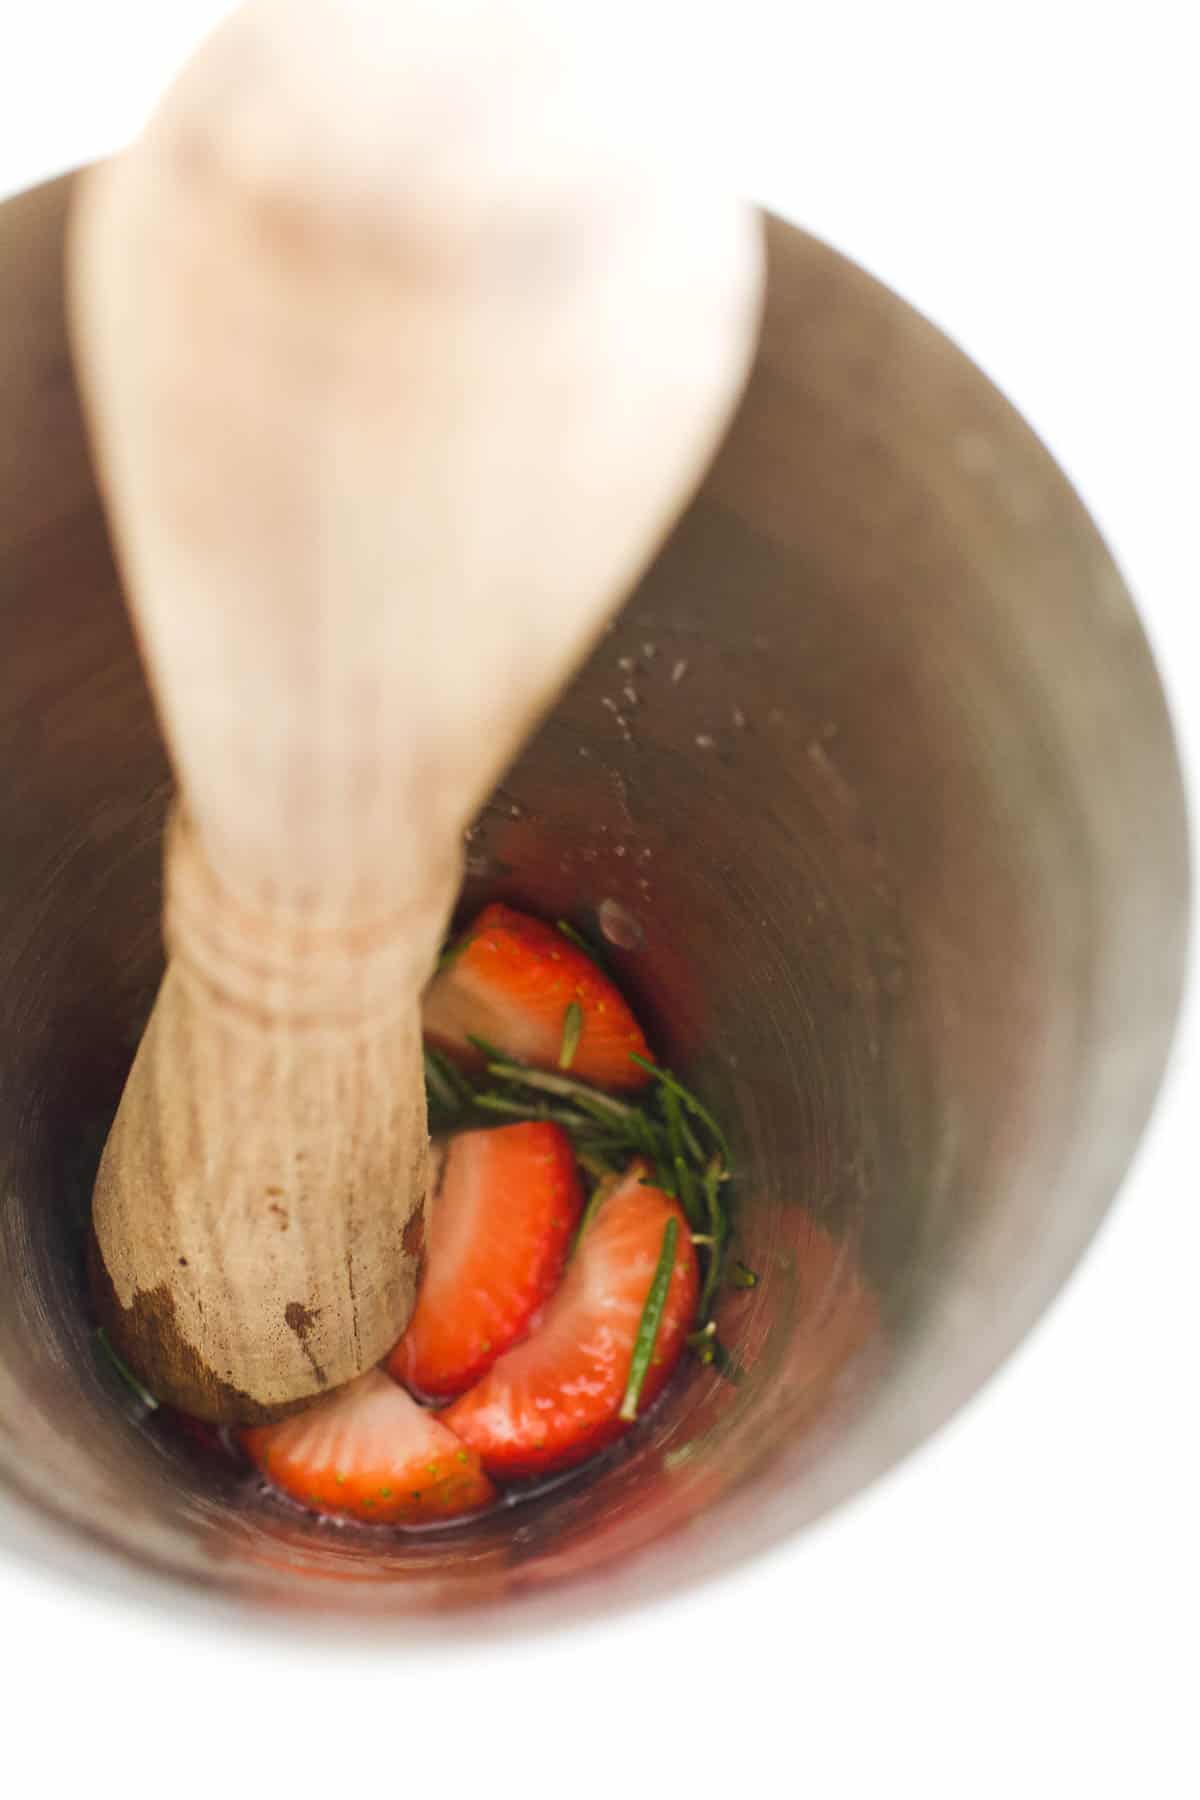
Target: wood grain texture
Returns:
[[267, 1159], [400, 353]]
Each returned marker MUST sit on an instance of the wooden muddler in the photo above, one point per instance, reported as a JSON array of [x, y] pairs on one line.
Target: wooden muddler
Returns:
[[402, 344]]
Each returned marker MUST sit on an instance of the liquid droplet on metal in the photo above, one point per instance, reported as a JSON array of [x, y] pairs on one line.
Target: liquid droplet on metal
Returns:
[[620, 926]]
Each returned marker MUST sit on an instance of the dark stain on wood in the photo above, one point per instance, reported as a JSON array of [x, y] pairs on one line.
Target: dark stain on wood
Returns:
[[301, 1320], [413, 1240], [147, 1336]]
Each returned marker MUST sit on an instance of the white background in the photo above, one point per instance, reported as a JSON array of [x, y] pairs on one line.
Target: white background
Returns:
[[1014, 1611]]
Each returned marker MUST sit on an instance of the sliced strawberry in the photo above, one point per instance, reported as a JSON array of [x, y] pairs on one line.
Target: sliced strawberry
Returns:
[[555, 1399], [512, 980], [499, 1227], [370, 1452]]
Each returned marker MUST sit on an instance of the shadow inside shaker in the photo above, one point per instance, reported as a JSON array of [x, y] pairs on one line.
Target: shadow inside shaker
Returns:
[[875, 762]]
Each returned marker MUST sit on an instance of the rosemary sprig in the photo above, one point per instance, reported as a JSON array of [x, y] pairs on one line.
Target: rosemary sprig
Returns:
[[652, 1312], [592, 1100], [673, 1115], [723, 1363], [691, 1141], [613, 1147], [714, 1175], [708, 1350], [596, 1164], [571, 1033], [599, 1195], [688, 1098], [648, 1138], [680, 1136], [451, 1093], [666, 1127], [685, 1188], [521, 1109]]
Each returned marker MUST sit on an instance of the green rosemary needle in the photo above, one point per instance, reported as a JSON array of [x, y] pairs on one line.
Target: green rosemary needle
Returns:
[[571, 1033], [446, 1087], [685, 1187], [599, 1195], [713, 1177], [652, 1312], [689, 1100], [601, 1106]]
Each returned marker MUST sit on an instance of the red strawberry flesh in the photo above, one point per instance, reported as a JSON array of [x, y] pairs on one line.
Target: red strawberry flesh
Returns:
[[511, 981], [370, 1452], [498, 1230], [555, 1399]]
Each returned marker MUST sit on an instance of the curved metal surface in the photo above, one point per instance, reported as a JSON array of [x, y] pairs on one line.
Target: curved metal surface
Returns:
[[875, 775]]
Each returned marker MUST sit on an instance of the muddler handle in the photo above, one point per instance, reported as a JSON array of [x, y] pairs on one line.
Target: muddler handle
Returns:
[[401, 348]]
